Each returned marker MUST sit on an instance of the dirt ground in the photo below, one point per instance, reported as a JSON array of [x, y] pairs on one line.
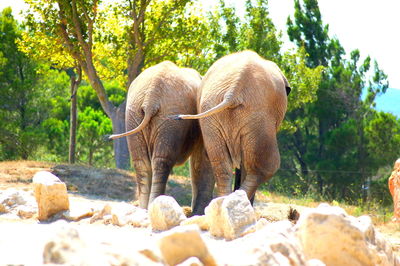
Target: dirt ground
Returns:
[[88, 185]]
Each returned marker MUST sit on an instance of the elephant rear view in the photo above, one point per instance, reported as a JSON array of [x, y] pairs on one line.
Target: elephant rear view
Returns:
[[155, 143], [242, 102]]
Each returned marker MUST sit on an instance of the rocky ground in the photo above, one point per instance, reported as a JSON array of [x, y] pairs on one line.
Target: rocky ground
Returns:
[[261, 237]]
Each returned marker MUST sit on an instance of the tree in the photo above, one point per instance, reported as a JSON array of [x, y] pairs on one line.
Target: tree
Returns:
[[20, 107], [143, 40], [338, 115], [93, 124], [43, 47]]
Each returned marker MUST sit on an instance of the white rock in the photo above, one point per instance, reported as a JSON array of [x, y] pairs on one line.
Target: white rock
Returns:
[[68, 248], [18, 202], [77, 214], [183, 242], [12, 197], [50, 193], [3, 208], [230, 216], [98, 215], [280, 238], [107, 219], [26, 212], [315, 262], [273, 244], [330, 235], [199, 220], [127, 214], [165, 213], [259, 225], [65, 248], [192, 261], [140, 218]]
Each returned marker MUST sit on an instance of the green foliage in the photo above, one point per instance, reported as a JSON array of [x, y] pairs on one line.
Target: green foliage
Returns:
[[256, 32], [305, 82], [20, 110], [382, 133], [329, 149], [92, 148], [182, 170], [308, 30]]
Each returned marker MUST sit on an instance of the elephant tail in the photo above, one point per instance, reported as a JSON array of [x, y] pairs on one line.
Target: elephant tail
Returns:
[[145, 122], [226, 103]]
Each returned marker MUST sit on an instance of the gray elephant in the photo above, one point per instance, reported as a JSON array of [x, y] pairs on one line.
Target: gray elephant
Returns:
[[156, 143], [242, 102]]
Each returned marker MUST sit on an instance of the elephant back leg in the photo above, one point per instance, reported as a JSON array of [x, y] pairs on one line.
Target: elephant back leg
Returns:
[[138, 150], [239, 177], [168, 145], [202, 179], [219, 156], [260, 157], [141, 162]]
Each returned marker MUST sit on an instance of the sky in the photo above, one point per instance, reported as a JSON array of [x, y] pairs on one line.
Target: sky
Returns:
[[368, 25]]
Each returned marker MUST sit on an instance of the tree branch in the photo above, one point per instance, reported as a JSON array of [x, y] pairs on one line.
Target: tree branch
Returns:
[[67, 40], [78, 29]]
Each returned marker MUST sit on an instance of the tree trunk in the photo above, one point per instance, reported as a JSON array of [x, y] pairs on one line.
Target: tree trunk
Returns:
[[121, 152], [73, 125], [73, 112], [116, 114], [84, 57], [91, 156]]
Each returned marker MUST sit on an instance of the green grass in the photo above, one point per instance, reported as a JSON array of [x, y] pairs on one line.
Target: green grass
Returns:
[[182, 170]]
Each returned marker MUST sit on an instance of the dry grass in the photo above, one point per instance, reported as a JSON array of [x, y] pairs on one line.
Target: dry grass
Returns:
[[88, 181]]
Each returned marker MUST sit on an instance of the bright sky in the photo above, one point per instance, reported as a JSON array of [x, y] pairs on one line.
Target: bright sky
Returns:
[[368, 25], [371, 26]]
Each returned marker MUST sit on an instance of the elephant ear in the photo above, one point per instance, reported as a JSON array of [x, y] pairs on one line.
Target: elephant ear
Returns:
[[288, 90], [287, 85]]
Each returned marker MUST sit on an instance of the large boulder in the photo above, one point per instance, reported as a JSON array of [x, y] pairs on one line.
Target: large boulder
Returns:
[[182, 243], [165, 213], [330, 235], [273, 244], [50, 193], [230, 216]]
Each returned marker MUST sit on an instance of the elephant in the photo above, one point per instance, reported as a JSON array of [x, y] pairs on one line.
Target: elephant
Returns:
[[241, 103], [155, 142]]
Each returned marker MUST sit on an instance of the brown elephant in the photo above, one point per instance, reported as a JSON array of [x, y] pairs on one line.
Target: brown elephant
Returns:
[[156, 143], [242, 102]]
